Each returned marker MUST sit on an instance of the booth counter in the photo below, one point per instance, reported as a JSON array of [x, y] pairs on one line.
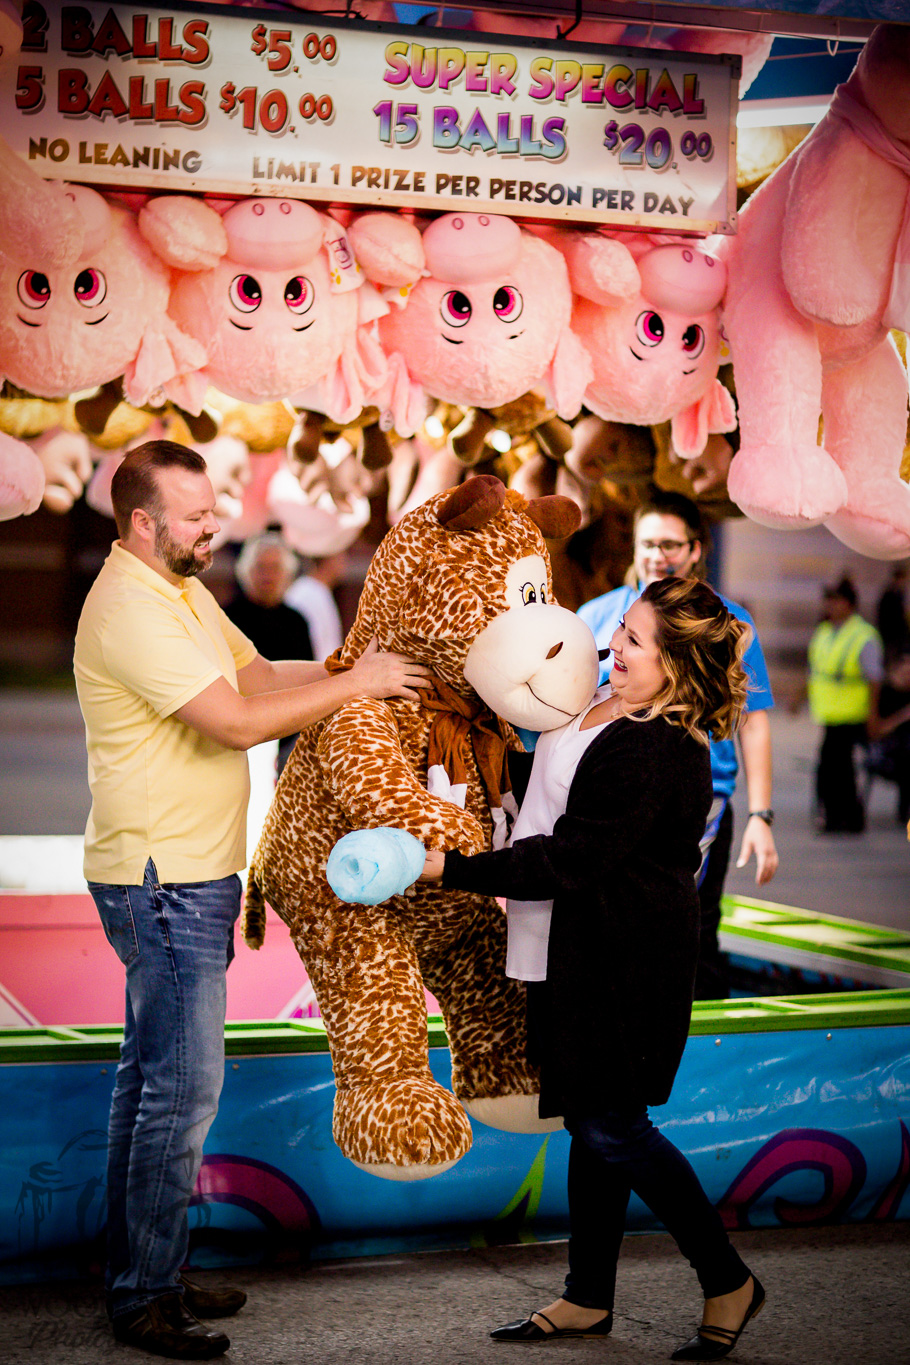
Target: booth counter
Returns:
[[793, 1110]]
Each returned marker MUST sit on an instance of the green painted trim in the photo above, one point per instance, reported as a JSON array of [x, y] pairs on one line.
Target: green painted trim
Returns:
[[99, 1043], [825, 936]]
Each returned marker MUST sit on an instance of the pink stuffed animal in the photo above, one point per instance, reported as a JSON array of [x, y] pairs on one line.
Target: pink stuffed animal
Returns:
[[87, 308], [273, 294], [817, 275], [21, 479], [648, 316], [487, 319]]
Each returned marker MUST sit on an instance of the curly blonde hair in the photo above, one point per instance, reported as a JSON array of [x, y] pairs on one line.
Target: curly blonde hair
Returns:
[[701, 646]]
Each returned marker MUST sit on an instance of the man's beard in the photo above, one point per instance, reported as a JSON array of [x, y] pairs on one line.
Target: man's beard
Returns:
[[177, 558]]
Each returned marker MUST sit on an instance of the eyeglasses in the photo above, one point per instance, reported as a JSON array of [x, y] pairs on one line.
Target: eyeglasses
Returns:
[[669, 548]]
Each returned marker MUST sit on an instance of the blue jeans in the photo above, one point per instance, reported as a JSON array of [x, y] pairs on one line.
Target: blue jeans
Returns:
[[176, 943], [611, 1156]]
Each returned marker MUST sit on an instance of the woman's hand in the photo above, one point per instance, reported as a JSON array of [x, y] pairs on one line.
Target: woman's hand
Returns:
[[432, 868]]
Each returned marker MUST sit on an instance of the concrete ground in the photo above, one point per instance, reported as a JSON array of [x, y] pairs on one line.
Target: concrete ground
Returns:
[[836, 1295]]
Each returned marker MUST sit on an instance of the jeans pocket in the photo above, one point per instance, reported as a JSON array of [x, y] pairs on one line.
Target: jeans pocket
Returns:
[[116, 913]]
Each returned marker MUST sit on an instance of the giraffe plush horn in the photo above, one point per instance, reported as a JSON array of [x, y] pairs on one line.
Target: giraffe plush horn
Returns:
[[473, 504], [555, 517]]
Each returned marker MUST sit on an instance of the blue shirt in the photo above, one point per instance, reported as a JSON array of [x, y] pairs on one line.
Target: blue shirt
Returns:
[[603, 615]]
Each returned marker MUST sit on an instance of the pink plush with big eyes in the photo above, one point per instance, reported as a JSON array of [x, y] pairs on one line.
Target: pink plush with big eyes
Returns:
[[484, 327], [270, 333], [72, 327], [649, 363]]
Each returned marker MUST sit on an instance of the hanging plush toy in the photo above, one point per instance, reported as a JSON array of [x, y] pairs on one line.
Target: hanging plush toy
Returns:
[[485, 314], [462, 583], [271, 291], [818, 273], [648, 316], [99, 314], [21, 479]]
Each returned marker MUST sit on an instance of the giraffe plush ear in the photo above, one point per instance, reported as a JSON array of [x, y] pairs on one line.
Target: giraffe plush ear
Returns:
[[555, 516], [472, 504]]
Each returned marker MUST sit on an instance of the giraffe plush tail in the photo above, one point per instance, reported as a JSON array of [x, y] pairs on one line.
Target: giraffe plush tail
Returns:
[[252, 925]]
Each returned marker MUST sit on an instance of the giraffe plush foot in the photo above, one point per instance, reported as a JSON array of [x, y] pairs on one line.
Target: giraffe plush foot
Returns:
[[402, 1128]]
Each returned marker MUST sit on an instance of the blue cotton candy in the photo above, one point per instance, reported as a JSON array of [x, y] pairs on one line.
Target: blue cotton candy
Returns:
[[368, 866]]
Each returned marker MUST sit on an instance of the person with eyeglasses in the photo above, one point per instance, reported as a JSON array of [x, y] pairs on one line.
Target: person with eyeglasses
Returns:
[[669, 542]]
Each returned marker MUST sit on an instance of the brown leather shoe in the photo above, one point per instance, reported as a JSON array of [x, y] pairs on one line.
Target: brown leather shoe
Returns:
[[211, 1303], [165, 1327]]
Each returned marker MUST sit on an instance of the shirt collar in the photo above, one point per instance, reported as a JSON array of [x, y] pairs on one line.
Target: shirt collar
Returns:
[[124, 561]]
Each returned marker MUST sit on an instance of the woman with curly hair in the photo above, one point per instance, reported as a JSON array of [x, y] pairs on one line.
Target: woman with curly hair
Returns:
[[603, 924]]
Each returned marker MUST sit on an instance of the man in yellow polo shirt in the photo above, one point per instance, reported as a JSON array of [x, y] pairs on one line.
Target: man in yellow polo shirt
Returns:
[[173, 695]]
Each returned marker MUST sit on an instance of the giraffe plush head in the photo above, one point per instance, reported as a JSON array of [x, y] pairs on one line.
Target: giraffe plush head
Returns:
[[460, 562]]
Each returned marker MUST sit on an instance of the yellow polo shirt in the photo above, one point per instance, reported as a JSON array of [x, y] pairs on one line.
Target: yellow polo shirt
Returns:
[[160, 790]]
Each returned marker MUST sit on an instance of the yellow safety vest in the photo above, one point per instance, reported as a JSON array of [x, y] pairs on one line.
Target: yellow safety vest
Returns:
[[839, 693]]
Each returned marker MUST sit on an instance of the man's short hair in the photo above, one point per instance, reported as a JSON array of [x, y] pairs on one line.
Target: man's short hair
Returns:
[[135, 481]]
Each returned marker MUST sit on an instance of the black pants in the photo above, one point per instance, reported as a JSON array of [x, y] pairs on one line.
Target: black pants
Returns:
[[613, 1156], [712, 973], [835, 780]]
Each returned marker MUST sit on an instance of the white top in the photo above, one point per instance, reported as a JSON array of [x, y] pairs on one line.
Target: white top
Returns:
[[316, 604], [556, 757]]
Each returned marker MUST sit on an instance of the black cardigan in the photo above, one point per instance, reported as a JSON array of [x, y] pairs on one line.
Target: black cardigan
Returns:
[[620, 867]]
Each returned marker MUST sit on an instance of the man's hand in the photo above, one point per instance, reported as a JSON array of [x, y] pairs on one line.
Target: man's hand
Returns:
[[388, 675], [759, 840], [432, 868]]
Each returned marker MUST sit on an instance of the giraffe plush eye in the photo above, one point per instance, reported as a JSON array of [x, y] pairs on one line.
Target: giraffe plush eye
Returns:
[[529, 594]]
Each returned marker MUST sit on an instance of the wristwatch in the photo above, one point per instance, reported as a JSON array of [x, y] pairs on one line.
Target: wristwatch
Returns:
[[766, 815]]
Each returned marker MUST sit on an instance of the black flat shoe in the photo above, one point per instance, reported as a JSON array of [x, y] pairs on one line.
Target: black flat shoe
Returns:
[[701, 1347], [211, 1303], [526, 1330], [166, 1328]]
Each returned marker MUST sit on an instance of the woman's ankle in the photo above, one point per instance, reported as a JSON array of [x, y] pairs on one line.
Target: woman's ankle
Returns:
[[564, 1313]]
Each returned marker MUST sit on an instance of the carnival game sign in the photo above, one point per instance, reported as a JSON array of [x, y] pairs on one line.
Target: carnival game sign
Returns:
[[249, 101]]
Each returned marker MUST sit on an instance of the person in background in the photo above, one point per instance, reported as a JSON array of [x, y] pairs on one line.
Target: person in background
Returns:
[[265, 569], [889, 752], [891, 615], [846, 670], [312, 594], [172, 695], [609, 853], [670, 541]]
